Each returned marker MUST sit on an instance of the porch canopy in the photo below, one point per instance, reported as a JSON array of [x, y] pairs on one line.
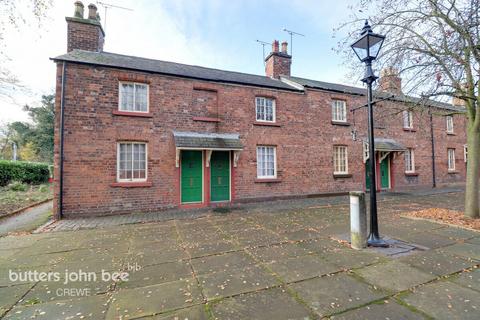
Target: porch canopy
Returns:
[[384, 146], [209, 142]]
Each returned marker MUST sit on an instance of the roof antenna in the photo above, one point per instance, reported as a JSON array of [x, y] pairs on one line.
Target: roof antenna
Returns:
[[292, 33], [263, 43], [107, 6]]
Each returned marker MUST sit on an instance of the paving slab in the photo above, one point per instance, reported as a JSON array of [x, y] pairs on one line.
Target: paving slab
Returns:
[[278, 252], [469, 279], [236, 281], [152, 300], [437, 262], [467, 250], [197, 312], [445, 300], [456, 233], [10, 295], [300, 268], [348, 258], [394, 276], [222, 262], [205, 249], [146, 258], [427, 239], [331, 294], [386, 310], [269, 304], [84, 308], [157, 274]]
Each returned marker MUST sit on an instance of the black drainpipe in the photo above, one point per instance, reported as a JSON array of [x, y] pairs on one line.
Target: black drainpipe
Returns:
[[62, 120], [434, 180]]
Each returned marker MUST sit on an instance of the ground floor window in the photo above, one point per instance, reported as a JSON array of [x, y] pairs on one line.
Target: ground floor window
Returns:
[[132, 161], [451, 159], [266, 162], [409, 161], [340, 160]]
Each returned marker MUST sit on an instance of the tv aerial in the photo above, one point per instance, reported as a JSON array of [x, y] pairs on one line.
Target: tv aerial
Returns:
[[292, 33], [107, 6], [263, 43]]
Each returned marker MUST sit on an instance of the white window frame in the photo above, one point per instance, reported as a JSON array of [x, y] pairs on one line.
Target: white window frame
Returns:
[[274, 110], [465, 152], [336, 107], [118, 162], [449, 123], [407, 116], [120, 83], [274, 176], [335, 148], [449, 162], [412, 161]]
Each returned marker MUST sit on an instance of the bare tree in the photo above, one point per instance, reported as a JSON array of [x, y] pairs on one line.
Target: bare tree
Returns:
[[435, 44], [15, 14]]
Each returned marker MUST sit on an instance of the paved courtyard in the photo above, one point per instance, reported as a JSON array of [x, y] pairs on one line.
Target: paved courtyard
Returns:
[[280, 260]]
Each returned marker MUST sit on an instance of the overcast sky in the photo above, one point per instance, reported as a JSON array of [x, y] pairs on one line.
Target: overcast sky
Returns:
[[211, 33]]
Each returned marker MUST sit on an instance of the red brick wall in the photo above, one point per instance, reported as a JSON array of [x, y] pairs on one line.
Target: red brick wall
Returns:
[[84, 35], [304, 138]]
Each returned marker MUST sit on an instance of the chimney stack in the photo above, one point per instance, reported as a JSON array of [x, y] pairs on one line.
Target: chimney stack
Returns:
[[84, 33], [278, 63], [390, 81], [92, 11]]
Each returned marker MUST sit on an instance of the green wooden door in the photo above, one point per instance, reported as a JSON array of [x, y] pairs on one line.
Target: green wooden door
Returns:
[[385, 173], [191, 180], [220, 176]]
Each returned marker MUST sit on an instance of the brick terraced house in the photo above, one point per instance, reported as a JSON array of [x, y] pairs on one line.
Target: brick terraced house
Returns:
[[135, 134]]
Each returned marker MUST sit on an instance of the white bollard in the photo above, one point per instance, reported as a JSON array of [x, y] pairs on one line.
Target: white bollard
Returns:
[[358, 220]]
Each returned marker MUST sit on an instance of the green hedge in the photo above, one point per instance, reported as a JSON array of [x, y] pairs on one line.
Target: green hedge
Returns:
[[26, 172]]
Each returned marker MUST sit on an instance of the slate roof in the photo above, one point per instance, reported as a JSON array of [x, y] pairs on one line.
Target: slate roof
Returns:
[[340, 88], [227, 141], [108, 59], [385, 144]]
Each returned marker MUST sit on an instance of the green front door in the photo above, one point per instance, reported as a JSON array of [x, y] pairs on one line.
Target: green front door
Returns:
[[191, 180], [385, 173], [220, 176]]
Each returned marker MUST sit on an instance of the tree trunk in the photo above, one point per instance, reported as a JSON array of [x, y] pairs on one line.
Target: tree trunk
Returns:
[[473, 163]]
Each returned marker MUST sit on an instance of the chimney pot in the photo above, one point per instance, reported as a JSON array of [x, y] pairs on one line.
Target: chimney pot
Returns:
[[275, 46], [285, 47], [78, 13], [92, 11]]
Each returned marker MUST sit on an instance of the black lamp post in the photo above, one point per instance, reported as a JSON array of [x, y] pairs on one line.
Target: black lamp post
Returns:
[[367, 49]]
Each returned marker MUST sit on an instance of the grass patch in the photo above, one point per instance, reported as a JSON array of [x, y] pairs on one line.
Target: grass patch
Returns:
[[18, 195]]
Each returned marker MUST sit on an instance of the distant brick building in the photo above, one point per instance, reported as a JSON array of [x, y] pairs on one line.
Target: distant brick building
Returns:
[[144, 135]]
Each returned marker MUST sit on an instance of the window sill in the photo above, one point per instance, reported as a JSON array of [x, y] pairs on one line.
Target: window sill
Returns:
[[453, 172], [268, 180], [133, 184], [342, 175], [206, 119], [340, 123], [411, 174], [451, 134], [409, 129], [132, 114], [270, 124]]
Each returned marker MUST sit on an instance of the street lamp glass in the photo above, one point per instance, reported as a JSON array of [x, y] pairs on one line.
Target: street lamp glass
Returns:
[[369, 44]]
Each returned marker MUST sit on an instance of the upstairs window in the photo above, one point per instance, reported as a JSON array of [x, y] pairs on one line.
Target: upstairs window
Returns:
[[409, 161], [266, 162], [131, 161], [265, 109], [451, 159], [339, 111], [407, 119], [133, 97], [449, 120], [340, 160]]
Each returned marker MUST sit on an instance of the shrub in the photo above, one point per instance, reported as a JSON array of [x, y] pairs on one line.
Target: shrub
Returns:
[[43, 188], [18, 186], [26, 172]]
